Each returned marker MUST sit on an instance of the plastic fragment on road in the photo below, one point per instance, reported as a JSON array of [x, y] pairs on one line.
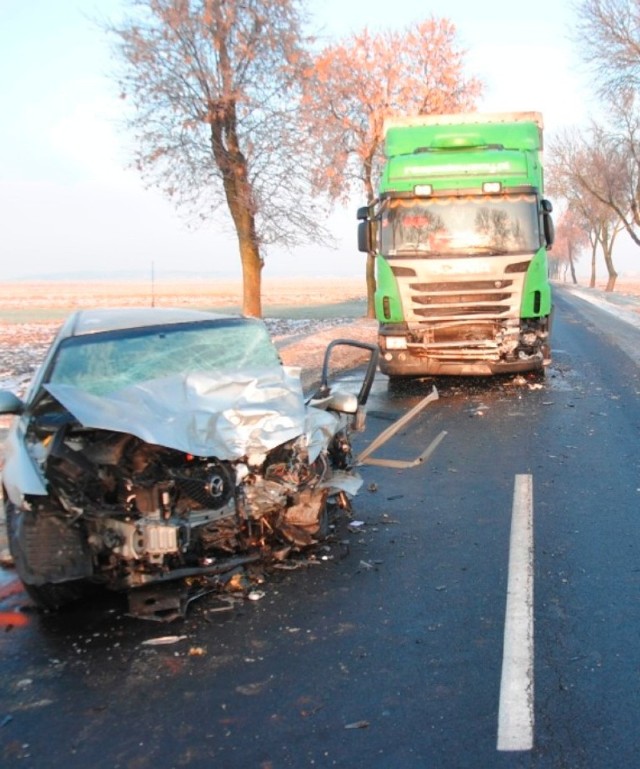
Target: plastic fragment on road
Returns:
[[164, 640], [357, 725]]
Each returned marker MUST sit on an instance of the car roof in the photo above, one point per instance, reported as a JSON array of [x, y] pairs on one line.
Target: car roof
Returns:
[[115, 318]]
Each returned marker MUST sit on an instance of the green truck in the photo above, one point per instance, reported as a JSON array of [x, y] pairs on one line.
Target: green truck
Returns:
[[460, 232]]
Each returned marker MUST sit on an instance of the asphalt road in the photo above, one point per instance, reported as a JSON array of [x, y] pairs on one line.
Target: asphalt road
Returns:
[[397, 647]]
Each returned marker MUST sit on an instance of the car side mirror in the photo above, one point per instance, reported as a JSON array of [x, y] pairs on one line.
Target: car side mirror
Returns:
[[10, 403], [343, 402]]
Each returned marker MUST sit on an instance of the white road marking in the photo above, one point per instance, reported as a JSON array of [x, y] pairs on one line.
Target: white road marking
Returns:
[[515, 715]]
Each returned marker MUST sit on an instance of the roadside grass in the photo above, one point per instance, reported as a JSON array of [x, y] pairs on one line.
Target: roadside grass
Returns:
[[40, 302], [355, 308]]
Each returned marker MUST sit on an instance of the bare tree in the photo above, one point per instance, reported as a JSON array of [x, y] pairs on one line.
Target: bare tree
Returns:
[[618, 165], [357, 83], [589, 171], [602, 226], [608, 36], [214, 87], [570, 239]]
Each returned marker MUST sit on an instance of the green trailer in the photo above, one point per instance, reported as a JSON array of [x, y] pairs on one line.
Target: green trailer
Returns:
[[460, 232]]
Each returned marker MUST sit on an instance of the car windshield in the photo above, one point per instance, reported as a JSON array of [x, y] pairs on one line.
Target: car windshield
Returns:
[[106, 362], [459, 226]]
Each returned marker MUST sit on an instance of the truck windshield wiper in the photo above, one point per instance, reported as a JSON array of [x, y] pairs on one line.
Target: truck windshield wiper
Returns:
[[413, 249], [472, 250]]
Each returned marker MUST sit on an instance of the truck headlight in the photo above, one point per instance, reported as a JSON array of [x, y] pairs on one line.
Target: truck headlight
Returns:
[[395, 342]]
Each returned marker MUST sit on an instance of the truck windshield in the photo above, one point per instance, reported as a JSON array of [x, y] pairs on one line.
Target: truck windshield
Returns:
[[459, 226]]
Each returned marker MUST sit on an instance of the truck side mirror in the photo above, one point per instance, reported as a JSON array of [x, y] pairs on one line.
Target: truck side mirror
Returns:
[[547, 222], [549, 229], [364, 237]]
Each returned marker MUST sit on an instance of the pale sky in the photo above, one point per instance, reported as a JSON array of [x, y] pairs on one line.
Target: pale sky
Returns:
[[68, 202]]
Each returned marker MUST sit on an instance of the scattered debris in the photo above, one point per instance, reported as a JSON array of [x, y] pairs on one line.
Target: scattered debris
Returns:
[[357, 725], [290, 565], [164, 640], [252, 689], [225, 603]]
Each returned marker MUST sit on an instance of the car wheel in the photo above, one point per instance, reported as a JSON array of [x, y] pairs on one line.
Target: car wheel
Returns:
[[48, 595]]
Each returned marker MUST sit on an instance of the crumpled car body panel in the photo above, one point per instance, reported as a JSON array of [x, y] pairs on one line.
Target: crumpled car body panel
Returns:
[[227, 416]]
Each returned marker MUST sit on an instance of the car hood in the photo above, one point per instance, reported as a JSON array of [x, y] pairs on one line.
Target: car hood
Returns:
[[228, 417]]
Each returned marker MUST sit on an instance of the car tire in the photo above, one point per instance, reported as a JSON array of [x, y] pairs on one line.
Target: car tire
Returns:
[[48, 596]]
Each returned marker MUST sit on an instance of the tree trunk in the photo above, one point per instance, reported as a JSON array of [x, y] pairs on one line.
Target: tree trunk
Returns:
[[251, 279], [592, 279], [232, 164], [250, 259], [611, 270], [371, 285], [371, 257], [572, 266]]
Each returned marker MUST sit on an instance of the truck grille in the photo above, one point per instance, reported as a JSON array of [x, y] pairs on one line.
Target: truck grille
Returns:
[[488, 288]]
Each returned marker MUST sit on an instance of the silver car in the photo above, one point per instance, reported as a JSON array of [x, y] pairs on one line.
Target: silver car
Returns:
[[156, 445]]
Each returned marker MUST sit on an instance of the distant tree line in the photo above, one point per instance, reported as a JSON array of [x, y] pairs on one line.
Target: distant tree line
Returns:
[[596, 169], [234, 106]]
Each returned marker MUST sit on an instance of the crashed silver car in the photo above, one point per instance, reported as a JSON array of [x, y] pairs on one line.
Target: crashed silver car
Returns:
[[155, 445]]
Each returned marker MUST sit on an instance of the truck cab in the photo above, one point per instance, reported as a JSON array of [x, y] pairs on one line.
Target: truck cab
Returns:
[[460, 231]]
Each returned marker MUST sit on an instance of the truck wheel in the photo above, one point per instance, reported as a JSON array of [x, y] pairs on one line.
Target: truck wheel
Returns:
[[397, 383]]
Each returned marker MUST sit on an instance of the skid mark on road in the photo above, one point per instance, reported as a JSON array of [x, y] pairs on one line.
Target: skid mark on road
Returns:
[[515, 715]]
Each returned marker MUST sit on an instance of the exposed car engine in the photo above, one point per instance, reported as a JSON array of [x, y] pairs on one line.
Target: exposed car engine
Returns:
[[147, 510]]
